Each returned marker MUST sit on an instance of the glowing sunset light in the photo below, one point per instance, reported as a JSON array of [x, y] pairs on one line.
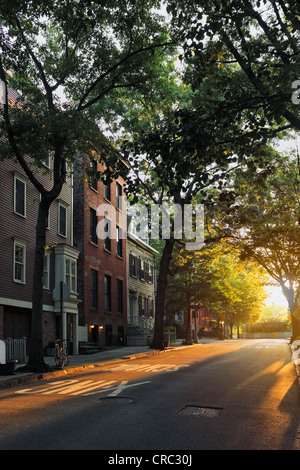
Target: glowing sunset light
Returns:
[[275, 296]]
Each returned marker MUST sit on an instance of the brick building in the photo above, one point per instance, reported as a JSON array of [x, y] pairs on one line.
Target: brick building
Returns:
[[102, 262]]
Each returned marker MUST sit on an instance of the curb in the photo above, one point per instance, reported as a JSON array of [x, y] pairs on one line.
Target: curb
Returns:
[[37, 377]]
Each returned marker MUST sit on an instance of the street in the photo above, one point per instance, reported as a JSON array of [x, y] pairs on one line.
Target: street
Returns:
[[226, 395]]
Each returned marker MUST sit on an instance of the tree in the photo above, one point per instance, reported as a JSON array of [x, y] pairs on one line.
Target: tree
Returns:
[[217, 278], [66, 58], [171, 161], [264, 223], [261, 38], [184, 146], [189, 284]]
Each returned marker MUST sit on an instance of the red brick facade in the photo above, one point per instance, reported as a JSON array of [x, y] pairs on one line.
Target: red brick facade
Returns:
[[101, 269]]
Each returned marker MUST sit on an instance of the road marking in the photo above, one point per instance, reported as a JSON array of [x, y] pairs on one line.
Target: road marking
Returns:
[[71, 387], [148, 367], [84, 388], [123, 385], [119, 388]]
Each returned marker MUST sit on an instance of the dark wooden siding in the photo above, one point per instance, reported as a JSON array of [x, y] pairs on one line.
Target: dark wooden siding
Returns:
[[15, 226]]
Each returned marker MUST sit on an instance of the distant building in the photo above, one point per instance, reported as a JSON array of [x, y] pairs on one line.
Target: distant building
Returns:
[[141, 282]]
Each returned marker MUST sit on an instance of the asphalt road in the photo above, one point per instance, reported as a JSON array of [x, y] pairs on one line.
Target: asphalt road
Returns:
[[227, 395]]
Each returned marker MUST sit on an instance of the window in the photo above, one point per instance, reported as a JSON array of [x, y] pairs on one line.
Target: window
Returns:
[[142, 305], [119, 242], [107, 241], [70, 274], [20, 196], [46, 280], [107, 191], [93, 177], [94, 289], [62, 220], [46, 162], [93, 226], [151, 274], [141, 271], [132, 265], [151, 308], [119, 194], [107, 291], [120, 296], [146, 271], [19, 262]]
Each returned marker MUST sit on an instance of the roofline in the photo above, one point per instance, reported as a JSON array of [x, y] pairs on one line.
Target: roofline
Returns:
[[140, 242]]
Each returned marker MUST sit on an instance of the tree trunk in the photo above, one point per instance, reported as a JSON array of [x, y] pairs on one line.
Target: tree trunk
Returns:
[[295, 317], [162, 282], [188, 335], [36, 351], [289, 293]]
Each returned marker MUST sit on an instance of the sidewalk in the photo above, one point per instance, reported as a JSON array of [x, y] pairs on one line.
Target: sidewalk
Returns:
[[85, 361]]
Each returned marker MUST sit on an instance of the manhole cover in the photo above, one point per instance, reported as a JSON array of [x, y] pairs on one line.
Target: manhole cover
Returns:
[[115, 400], [200, 411]]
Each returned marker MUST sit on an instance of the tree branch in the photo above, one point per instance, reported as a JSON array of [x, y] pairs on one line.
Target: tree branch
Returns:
[[10, 134], [81, 106]]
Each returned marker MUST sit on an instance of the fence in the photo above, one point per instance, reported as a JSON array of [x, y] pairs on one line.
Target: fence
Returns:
[[15, 349], [170, 335]]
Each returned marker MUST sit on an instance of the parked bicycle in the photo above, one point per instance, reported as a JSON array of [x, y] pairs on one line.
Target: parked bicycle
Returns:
[[61, 353]]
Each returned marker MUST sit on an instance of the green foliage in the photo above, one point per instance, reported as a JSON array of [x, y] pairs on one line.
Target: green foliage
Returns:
[[259, 39], [65, 59], [269, 326], [218, 279]]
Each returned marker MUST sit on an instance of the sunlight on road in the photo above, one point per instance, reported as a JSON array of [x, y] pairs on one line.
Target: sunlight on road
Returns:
[[279, 386], [273, 368]]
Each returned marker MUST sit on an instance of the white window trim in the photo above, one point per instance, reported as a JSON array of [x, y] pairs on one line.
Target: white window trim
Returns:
[[69, 284], [23, 245], [23, 180], [60, 204], [46, 162], [119, 199], [47, 287]]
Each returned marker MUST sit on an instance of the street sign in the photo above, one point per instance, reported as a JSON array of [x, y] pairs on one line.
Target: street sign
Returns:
[[61, 290]]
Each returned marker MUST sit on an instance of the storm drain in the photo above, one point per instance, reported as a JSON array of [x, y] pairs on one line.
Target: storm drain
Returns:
[[200, 411], [115, 400]]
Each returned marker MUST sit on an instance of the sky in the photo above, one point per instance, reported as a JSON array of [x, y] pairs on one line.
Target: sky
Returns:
[[275, 296]]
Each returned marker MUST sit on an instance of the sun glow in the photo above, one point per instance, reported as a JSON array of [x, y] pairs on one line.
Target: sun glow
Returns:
[[275, 297]]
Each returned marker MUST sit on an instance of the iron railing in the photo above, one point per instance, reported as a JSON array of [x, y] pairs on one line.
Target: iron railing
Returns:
[[15, 349]]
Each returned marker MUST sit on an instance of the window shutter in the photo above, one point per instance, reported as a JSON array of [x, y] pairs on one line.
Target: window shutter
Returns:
[[139, 267], [130, 264]]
